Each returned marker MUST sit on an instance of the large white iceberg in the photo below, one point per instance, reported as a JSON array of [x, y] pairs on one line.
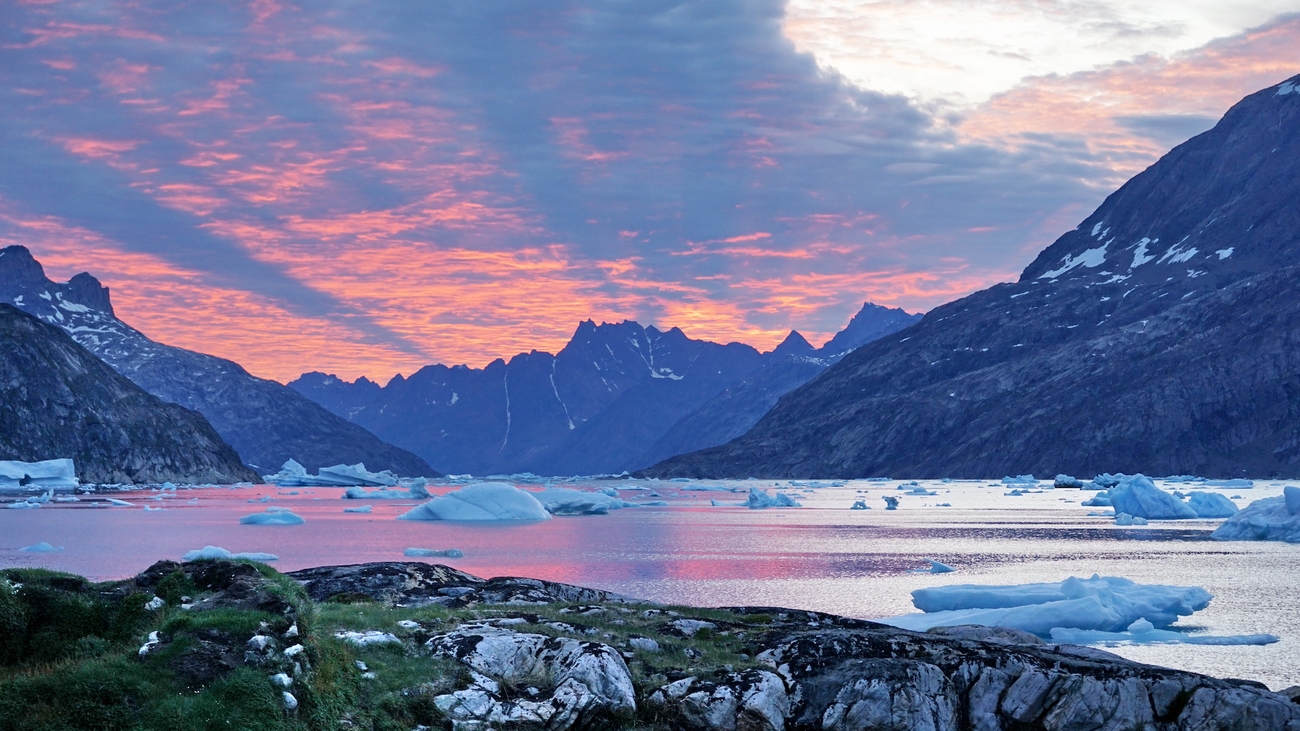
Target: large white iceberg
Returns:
[[1138, 496], [293, 474], [566, 501], [481, 501], [1211, 505], [1269, 519], [1108, 604], [48, 474]]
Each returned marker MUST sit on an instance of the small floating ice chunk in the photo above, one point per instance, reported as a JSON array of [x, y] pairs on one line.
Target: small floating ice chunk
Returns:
[[434, 552], [891, 502], [935, 568], [41, 547], [219, 552], [1138, 496], [860, 505], [1020, 480], [122, 503], [358, 509], [1126, 519], [360, 493], [1238, 483], [1211, 505], [273, 516], [1143, 633], [481, 501], [1067, 481]]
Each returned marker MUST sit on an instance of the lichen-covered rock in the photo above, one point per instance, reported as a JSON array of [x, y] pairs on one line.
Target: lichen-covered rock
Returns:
[[753, 700], [576, 683], [413, 584]]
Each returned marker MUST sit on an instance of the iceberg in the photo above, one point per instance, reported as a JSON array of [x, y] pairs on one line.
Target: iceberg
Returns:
[[1241, 484], [272, 516], [219, 552], [360, 493], [434, 553], [1138, 496], [1063, 481], [566, 501], [1108, 604], [860, 505], [1126, 519], [1269, 519], [1100, 500], [41, 547], [293, 474], [891, 502], [481, 501], [47, 474], [358, 509], [22, 505], [1021, 480], [1143, 632], [935, 568], [1211, 505], [760, 499]]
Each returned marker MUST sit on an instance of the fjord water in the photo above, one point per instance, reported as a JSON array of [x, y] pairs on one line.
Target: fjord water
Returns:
[[822, 556]]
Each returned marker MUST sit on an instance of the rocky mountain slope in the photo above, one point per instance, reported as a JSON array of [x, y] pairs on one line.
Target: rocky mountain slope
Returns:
[[411, 645], [1160, 336], [58, 400], [792, 364], [264, 421], [609, 401]]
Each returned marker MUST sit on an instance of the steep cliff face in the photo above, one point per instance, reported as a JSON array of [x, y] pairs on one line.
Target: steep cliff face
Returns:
[[59, 400], [1158, 336], [266, 422]]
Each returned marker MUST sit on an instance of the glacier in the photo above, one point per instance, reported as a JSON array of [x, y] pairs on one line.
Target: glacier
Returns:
[[481, 501]]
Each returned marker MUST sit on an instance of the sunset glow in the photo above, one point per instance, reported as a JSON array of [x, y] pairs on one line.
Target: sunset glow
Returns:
[[365, 191]]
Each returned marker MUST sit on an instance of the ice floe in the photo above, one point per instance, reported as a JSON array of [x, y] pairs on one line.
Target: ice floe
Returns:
[[1269, 519], [219, 552], [1020, 480], [434, 553], [760, 499], [1138, 496], [1143, 632], [416, 492], [47, 474], [41, 547], [566, 501], [1108, 604], [481, 501], [1126, 519], [272, 516], [358, 509]]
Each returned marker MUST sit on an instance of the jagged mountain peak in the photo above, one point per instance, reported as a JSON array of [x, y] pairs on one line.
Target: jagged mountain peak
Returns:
[[21, 275], [794, 344]]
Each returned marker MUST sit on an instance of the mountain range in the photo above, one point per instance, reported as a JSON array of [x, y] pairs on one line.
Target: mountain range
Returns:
[[57, 400], [264, 421], [618, 396], [1162, 335]]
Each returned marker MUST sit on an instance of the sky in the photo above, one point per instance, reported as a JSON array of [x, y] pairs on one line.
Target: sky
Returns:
[[366, 188]]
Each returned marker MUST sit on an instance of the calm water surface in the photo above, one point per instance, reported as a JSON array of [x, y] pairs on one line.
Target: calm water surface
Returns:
[[822, 556]]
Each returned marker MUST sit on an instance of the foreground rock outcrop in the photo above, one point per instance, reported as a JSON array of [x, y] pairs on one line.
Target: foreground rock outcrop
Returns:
[[378, 646], [57, 400]]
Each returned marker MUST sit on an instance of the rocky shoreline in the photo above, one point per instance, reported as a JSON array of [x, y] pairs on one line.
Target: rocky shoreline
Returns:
[[409, 644]]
